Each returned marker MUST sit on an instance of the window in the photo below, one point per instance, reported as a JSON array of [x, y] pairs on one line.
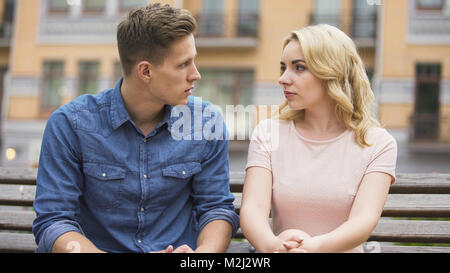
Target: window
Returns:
[[426, 116], [52, 85], [430, 4], [225, 87], [94, 6], [327, 12], [88, 74], [211, 19], [248, 18], [58, 6], [364, 19], [127, 5]]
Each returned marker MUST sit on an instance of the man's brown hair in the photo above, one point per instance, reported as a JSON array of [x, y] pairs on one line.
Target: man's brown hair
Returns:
[[148, 32]]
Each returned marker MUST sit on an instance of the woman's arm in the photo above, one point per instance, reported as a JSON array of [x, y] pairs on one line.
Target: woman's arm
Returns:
[[364, 215], [255, 209]]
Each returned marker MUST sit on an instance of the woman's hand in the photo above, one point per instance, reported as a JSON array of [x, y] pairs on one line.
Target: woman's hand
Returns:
[[310, 245], [290, 239]]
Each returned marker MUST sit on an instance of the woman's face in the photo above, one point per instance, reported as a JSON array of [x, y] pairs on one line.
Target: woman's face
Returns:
[[301, 88]]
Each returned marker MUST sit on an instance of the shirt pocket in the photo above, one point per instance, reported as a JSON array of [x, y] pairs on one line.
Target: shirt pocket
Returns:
[[103, 185], [177, 176]]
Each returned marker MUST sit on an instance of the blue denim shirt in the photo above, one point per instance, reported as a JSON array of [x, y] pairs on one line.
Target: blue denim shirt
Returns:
[[100, 176]]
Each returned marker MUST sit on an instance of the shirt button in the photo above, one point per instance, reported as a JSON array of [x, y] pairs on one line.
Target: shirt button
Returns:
[[183, 172], [142, 209], [103, 174], [145, 176], [145, 140], [139, 241]]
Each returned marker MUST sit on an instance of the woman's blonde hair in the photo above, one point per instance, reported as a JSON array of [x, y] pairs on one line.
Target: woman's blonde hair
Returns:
[[332, 57]]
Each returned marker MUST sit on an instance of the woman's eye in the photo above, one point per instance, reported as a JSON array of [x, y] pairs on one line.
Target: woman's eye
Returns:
[[282, 68], [300, 67]]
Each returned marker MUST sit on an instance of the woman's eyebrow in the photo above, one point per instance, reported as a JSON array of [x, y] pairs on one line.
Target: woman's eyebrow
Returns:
[[297, 61]]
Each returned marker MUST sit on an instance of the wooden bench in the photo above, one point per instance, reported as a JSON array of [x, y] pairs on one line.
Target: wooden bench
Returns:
[[422, 196]]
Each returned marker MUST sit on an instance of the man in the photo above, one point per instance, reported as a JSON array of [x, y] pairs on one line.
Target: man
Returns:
[[111, 177]]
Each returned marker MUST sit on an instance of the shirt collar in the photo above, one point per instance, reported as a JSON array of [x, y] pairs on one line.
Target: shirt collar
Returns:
[[119, 114]]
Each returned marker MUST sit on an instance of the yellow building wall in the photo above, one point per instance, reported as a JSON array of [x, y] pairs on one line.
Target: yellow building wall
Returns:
[[23, 107], [4, 56], [399, 56], [445, 124], [395, 116], [265, 58], [399, 61], [2, 7], [28, 58]]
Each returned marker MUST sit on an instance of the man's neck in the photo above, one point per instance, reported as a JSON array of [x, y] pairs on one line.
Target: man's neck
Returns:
[[143, 110]]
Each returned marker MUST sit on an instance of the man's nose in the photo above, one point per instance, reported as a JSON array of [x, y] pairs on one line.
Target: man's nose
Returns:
[[195, 76]]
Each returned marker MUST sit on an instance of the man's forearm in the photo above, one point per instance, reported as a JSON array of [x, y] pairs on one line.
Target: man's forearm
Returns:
[[214, 237], [74, 242]]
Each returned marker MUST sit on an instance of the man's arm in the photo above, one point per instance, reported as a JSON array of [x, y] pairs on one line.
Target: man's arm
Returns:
[[74, 242], [215, 237], [58, 188], [213, 201]]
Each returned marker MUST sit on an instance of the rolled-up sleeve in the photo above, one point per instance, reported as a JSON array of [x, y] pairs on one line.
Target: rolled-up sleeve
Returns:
[[211, 187], [58, 185]]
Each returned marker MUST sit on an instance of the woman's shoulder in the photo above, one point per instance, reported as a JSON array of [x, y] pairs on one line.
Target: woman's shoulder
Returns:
[[379, 135]]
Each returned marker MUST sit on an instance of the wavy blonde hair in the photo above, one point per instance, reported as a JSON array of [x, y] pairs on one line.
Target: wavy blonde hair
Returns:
[[332, 57]]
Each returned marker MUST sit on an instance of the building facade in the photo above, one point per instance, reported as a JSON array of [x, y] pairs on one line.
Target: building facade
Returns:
[[60, 49], [412, 76]]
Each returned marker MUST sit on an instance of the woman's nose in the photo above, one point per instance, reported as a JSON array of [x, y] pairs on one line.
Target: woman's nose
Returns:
[[284, 79]]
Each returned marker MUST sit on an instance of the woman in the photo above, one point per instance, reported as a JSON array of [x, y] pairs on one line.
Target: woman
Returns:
[[324, 165]]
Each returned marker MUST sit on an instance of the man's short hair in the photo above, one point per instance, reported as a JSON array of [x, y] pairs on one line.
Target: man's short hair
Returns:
[[148, 32]]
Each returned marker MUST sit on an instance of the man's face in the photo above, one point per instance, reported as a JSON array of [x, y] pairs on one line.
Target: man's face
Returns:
[[173, 80]]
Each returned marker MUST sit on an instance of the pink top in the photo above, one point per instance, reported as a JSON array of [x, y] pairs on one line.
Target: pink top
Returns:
[[315, 181]]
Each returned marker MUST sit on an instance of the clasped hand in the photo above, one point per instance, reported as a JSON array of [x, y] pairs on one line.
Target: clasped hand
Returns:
[[294, 241]]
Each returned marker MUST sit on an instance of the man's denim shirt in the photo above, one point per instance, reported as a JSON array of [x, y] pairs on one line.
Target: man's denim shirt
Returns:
[[100, 176]]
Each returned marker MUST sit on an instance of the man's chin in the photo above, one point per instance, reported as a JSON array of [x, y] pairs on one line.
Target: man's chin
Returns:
[[180, 102]]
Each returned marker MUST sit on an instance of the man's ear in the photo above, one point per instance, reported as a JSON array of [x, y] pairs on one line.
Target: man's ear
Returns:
[[144, 70]]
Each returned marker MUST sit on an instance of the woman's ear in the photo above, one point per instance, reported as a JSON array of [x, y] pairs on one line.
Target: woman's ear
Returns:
[[144, 70]]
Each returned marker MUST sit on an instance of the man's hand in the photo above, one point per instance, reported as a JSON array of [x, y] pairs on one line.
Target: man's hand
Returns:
[[169, 249], [183, 249]]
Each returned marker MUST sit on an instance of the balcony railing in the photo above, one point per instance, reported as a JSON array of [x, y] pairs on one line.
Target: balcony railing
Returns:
[[227, 25], [359, 25]]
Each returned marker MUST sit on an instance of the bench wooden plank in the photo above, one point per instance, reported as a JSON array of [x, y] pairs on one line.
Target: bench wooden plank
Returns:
[[418, 231], [403, 205], [414, 231], [417, 205], [17, 242], [246, 247], [406, 183], [23, 176], [17, 195], [16, 220]]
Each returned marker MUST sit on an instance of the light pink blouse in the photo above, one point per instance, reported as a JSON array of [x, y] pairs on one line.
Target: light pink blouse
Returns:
[[315, 181]]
